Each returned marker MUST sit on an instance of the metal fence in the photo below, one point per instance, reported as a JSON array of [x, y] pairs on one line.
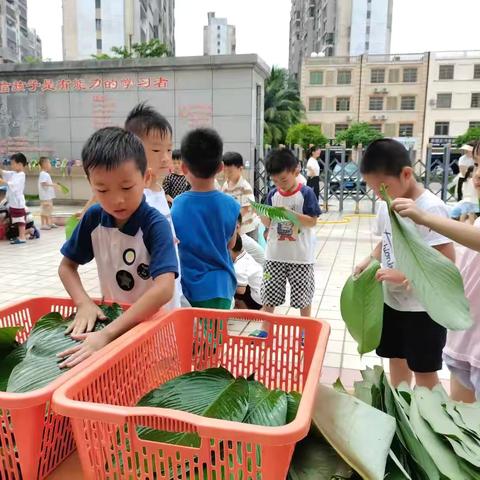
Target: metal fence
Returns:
[[340, 179]]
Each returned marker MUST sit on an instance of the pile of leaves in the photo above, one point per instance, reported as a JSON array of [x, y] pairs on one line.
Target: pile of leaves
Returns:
[[216, 393], [34, 364], [383, 432]]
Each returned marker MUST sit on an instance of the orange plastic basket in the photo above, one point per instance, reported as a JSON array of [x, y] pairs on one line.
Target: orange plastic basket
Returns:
[[101, 399], [33, 439]]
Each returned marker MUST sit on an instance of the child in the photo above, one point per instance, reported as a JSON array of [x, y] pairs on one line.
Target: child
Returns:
[[411, 340], [175, 183], [155, 132], [249, 278], [15, 181], [239, 188], [205, 221], [46, 192], [130, 241], [467, 208], [462, 352], [290, 252]]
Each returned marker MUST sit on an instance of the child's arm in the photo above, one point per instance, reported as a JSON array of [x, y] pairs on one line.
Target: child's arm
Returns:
[[87, 311], [305, 220], [463, 233], [375, 255], [149, 303], [241, 290]]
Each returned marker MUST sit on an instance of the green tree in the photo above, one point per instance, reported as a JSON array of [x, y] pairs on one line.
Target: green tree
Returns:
[[358, 133], [283, 107], [306, 135], [152, 49], [471, 135]]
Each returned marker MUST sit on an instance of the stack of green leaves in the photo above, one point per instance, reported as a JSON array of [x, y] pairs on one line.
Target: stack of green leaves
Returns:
[[34, 364], [436, 281], [361, 305], [277, 214], [216, 393], [436, 438]]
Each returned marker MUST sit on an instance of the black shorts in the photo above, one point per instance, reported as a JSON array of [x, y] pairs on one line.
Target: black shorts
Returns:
[[413, 336]]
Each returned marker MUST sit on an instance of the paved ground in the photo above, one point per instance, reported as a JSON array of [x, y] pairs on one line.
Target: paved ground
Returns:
[[343, 240]]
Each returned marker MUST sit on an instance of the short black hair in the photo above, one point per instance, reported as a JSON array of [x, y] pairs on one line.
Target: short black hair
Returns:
[[110, 147], [238, 247], [385, 156], [43, 160], [202, 150], [19, 158], [176, 154], [144, 119], [280, 160], [232, 159]]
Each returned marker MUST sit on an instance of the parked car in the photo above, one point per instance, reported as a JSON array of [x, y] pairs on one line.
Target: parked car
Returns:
[[351, 179]]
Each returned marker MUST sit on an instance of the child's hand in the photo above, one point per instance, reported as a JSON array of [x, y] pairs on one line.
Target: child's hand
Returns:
[[85, 318], [391, 275], [92, 342], [406, 207], [362, 266]]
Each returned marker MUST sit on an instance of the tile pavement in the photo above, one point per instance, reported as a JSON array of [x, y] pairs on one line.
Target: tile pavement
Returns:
[[31, 270]]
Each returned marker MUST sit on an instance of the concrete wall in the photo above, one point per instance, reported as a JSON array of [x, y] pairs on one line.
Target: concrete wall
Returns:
[[219, 92]]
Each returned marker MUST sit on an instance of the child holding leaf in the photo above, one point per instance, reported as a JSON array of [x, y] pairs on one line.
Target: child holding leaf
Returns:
[[462, 352], [411, 339]]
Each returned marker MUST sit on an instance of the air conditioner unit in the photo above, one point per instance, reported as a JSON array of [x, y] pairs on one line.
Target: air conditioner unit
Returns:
[[385, 90], [432, 102], [374, 117], [383, 117], [377, 90], [349, 118]]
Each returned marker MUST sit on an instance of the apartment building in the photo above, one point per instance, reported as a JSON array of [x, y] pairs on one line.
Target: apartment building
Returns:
[[219, 38], [453, 98], [386, 91], [94, 27], [338, 28], [17, 41]]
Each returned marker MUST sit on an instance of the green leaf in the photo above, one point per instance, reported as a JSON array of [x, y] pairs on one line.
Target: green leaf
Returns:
[[315, 459], [338, 386], [436, 281], [39, 366], [347, 423], [277, 214], [65, 190], [293, 402], [265, 407], [7, 340], [361, 305], [213, 393], [70, 226], [442, 455], [8, 363]]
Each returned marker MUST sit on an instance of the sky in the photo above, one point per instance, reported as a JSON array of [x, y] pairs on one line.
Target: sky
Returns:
[[263, 26]]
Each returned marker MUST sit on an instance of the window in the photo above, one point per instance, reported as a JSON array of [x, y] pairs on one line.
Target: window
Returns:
[[367, 46], [442, 128], [218, 27], [376, 103], [344, 77], [444, 100], [446, 72], [343, 104], [394, 75], [407, 103], [315, 104], [218, 44], [98, 24], [405, 130], [410, 75], [368, 30], [218, 51], [99, 43], [475, 124], [377, 75], [376, 126], [98, 3], [340, 127], [476, 71], [369, 13], [475, 100], [316, 77]]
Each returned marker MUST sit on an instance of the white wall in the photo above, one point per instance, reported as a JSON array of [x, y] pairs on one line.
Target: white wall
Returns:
[[86, 29], [113, 27]]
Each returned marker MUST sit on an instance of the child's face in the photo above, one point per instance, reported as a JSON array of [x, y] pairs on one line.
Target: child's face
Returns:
[[46, 165], [232, 173], [286, 180], [17, 166], [158, 149], [476, 180], [396, 186], [119, 191], [177, 167]]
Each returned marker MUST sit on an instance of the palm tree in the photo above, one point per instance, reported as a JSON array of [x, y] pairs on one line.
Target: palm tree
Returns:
[[283, 106]]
